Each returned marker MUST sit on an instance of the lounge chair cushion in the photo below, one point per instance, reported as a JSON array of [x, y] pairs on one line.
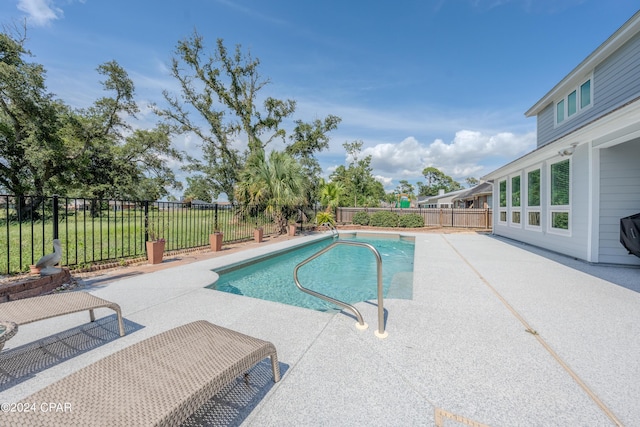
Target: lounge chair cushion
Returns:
[[159, 381], [42, 307]]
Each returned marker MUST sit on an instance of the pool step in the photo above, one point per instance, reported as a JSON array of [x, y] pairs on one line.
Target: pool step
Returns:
[[401, 286]]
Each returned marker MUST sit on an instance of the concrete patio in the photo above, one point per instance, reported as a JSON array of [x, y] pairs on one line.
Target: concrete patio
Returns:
[[498, 333]]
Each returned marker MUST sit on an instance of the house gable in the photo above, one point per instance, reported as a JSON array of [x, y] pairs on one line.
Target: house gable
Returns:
[[613, 72]]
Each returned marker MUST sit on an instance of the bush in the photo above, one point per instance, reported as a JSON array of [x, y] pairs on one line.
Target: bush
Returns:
[[361, 218], [412, 220], [384, 219], [325, 217]]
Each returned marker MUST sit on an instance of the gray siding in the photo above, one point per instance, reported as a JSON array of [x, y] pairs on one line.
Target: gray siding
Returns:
[[615, 82], [619, 197], [546, 132]]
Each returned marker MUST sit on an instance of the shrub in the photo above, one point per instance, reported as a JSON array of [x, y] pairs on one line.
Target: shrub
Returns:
[[384, 219], [325, 217], [361, 218], [412, 220]]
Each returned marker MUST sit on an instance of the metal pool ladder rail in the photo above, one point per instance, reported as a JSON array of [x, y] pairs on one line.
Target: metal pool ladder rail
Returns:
[[332, 228], [380, 333]]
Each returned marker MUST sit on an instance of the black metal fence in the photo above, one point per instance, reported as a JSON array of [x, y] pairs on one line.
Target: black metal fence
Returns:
[[97, 231]]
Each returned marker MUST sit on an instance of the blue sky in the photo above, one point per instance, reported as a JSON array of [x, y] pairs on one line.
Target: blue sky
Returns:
[[441, 83]]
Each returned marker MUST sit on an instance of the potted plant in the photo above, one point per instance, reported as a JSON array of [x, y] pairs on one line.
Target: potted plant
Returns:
[[292, 228], [258, 232], [155, 251], [155, 245], [215, 240], [324, 218]]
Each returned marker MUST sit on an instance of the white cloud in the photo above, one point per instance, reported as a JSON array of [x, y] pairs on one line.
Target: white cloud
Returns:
[[40, 12], [386, 181], [465, 156], [330, 169], [403, 159]]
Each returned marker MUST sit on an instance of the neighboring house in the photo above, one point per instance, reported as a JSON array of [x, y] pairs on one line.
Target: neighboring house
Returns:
[[442, 200], [201, 204], [119, 205], [78, 204], [569, 194], [478, 197]]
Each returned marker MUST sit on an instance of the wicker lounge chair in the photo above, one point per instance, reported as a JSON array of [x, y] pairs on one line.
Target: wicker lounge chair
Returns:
[[159, 381], [42, 307]]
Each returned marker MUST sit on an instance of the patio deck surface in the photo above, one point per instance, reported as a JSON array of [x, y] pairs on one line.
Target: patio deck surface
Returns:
[[498, 333]]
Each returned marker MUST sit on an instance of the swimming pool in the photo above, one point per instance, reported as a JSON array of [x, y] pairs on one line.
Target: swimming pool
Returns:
[[346, 273]]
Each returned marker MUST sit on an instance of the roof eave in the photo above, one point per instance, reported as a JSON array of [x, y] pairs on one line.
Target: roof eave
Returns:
[[617, 39]]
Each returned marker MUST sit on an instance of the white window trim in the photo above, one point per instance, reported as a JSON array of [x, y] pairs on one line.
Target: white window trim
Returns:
[[512, 208], [579, 109], [559, 208], [504, 209], [528, 208]]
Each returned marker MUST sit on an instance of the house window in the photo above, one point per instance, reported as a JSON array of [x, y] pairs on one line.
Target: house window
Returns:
[[560, 112], [559, 195], [515, 200], [533, 198], [572, 105], [574, 102], [503, 201], [585, 94]]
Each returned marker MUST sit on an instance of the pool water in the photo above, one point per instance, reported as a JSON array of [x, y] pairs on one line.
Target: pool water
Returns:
[[347, 273]]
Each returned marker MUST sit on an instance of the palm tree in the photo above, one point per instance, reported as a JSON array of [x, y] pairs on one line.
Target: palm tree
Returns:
[[275, 183], [330, 193]]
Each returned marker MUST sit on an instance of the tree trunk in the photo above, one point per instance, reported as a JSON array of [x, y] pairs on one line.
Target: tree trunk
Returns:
[[28, 211]]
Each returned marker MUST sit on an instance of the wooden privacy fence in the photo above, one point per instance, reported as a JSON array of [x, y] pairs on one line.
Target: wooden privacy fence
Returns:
[[433, 217]]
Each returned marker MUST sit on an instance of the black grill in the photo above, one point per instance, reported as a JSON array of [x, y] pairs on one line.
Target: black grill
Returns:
[[630, 233]]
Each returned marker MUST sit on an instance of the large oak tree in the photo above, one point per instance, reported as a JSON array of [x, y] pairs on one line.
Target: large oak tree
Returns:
[[218, 102], [46, 147]]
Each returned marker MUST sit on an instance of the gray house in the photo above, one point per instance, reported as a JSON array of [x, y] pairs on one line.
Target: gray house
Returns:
[[478, 197], [569, 194], [442, 200]]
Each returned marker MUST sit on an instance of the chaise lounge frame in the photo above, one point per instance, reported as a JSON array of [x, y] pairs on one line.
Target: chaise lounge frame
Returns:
[[159, 381], [42, 307]]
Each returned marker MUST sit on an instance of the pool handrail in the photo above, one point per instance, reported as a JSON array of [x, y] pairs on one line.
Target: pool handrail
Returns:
[[380, 333], [332, 228]]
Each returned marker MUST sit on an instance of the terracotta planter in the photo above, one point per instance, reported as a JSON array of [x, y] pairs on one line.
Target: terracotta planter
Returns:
[[34, 270], [257, 235], [215, 240], [292, 229], [155, 250]]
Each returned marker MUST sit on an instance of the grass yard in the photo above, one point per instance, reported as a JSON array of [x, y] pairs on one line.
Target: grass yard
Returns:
[[117, 234]]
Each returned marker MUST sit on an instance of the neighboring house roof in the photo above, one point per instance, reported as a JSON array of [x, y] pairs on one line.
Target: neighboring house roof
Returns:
[[483, 189], [433, 199], [626, 32]]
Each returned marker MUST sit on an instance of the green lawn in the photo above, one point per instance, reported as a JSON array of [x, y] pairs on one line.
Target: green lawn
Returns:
[[115, 235]]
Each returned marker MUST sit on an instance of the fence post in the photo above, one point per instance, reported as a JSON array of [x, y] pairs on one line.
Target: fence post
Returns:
[[215, 219], [146, 221], [55, 216]]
